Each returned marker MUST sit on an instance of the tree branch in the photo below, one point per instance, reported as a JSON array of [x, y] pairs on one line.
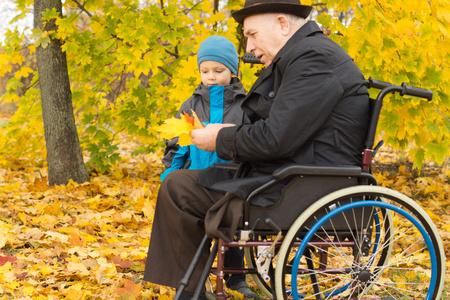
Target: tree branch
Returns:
[[81, 6], [171, 53], [379, 4], [165, 71], [440, 112]]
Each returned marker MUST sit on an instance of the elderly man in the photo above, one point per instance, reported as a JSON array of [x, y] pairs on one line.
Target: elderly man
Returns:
[[309, 106]]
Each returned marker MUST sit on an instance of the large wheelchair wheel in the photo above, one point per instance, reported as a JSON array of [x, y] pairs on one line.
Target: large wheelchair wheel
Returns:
[[363, 242]]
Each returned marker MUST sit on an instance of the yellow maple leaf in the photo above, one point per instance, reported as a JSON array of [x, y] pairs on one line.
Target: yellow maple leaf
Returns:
[[174, 127], [23, 72], [78, 268], [76, 240], [180, 128], [141, 123], [149, 209], [39, 185], [130, 290]]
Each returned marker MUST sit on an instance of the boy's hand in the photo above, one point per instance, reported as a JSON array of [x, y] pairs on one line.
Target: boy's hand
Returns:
[[205, 138]]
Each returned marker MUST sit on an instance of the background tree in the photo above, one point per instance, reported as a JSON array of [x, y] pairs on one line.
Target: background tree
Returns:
[[64, 157]]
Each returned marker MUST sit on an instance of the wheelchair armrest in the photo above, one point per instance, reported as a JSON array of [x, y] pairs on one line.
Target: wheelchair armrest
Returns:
[[240, 168], [227, 166], [294, 170]]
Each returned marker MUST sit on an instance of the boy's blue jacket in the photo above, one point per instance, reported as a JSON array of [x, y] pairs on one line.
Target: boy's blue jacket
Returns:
[[212, 104]]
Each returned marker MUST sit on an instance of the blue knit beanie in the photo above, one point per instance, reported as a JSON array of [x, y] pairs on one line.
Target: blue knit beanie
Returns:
[[220, 49]]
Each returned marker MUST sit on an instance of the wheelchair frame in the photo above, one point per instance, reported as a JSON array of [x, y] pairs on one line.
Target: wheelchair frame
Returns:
[[351, 213]]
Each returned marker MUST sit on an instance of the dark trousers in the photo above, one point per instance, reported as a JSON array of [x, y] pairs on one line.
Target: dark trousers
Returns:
[[178, 228], [234, 258]]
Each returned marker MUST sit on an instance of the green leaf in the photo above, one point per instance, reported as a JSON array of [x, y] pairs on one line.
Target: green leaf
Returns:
[[171, 36], [70, 47], [443, 97], [13, 84], [419, 158], [434, 75], [91, 129], [432, 127], [100, 135], [88, 118], [40, 37], [438, 151], [50, 14]]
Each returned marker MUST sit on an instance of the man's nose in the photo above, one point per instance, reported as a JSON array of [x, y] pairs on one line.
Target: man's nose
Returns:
[[250, 47]]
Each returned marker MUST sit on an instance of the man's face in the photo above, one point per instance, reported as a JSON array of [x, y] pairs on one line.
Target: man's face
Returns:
[[215, 73], [264, 37]]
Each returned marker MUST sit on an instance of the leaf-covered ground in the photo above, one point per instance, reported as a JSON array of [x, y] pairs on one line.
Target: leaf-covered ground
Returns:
[[89, 241]]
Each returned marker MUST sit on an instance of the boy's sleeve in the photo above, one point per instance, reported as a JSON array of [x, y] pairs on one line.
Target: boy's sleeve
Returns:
[[169, 153], [174, 159]]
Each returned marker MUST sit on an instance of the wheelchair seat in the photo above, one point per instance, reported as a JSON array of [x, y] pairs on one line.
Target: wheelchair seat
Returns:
[[307, 184]]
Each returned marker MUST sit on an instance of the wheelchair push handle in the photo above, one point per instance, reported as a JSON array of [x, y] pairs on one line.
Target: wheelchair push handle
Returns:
[[250, 58], [416, 92], [403, 89]]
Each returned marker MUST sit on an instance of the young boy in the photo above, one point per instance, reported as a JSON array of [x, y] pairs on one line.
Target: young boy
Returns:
[[217, 99]]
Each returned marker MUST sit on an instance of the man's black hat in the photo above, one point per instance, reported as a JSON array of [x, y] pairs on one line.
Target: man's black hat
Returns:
[[254, 7]]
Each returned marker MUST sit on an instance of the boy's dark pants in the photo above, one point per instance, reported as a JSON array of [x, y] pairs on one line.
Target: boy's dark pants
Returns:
[[178, 229]]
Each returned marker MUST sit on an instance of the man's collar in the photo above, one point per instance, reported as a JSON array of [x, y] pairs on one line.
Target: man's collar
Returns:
[[309, 28]]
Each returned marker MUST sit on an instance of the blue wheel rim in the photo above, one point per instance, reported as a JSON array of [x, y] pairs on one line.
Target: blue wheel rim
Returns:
[[368, 203]]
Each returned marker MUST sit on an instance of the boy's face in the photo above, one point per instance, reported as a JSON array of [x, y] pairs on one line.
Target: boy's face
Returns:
[[214, 73]]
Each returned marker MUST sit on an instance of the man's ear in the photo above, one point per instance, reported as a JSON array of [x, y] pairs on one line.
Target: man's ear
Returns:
[[284, 23]]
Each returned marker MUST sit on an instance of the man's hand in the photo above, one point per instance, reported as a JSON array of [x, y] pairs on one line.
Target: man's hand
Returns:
[[205, 138]]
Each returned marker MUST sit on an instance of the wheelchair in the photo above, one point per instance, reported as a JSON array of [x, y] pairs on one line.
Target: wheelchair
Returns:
[[335, 234]]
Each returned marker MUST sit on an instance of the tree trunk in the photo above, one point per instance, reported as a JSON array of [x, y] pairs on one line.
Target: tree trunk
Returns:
[[64, 156]]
